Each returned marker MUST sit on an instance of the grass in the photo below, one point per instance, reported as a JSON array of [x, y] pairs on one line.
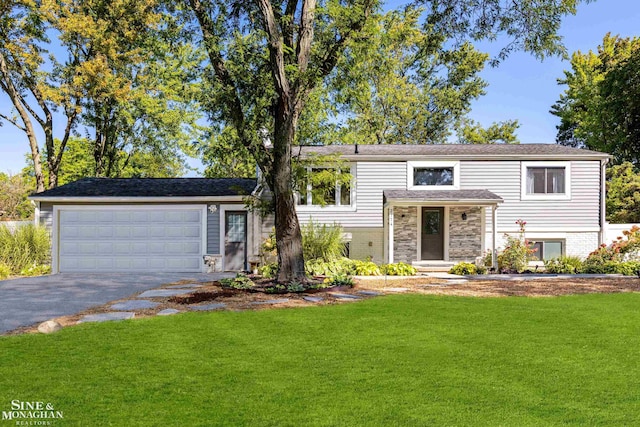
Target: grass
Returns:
[[397, 360]]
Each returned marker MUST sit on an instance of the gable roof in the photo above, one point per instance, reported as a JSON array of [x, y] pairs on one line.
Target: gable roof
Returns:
[[150, 188], [470, 151]]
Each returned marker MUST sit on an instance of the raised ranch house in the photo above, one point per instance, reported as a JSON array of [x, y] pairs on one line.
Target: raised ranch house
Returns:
[[429, 205]]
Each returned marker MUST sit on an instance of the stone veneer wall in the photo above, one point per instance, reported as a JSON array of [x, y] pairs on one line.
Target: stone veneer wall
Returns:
[[465, 237], [405, 234]]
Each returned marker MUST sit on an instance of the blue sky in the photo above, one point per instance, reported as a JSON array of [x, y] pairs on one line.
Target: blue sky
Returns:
[[521, 87]]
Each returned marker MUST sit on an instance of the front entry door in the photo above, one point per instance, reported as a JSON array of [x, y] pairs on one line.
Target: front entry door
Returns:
[[235, 241], [432, 234]]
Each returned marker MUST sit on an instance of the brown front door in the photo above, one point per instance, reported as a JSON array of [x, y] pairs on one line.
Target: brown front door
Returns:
[[235, 241], [432, 234]]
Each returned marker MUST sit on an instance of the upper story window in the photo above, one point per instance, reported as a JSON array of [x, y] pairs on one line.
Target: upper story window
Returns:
[[433, 175], [327, 187], [546, 180]]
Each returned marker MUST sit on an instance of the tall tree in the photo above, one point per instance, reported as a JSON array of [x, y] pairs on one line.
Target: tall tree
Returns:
[[138, 85], [600, 109], [36, 89], [623, 194], [267, 57]]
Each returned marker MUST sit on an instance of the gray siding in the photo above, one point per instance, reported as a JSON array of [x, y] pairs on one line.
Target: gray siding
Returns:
[[46, 215], [504, 179], [213, 231], [371, 179]]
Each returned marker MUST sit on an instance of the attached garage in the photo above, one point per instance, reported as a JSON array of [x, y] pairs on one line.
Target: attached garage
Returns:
[[178, 225], [131, 238]]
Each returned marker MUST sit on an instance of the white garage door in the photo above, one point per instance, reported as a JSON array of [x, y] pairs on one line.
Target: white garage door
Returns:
[[131, 239]]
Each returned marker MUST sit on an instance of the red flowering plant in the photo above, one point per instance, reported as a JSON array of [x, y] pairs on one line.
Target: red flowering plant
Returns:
[[517, 252]]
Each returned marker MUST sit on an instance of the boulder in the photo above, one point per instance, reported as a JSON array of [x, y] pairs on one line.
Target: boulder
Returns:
[[49, 327]]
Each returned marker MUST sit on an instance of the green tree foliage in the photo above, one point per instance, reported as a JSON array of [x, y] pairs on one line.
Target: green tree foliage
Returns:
[[137, 83], [600, 109], [14, 190], [473, 133], [623, 194], [266, 59], [405, 83], [36, 88]]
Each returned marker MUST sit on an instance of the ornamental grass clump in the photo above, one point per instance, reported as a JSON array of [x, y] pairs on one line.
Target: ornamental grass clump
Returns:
[[26, 248], [321, 241]]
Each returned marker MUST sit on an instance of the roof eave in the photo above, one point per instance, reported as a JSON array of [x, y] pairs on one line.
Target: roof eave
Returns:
[[110, 199], [441, 202], [404, 157]]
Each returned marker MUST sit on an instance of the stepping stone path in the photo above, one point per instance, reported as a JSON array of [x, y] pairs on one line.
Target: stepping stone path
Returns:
[[370, 293], [153, 293], [344, 296], [187, 286], [136, 304], [456, 281], [208, 307], [168, 312], [271, 301], [312, 299], [105, 317]]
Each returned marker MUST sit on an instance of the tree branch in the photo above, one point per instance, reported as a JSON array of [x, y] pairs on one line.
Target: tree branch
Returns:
[[13, 122], [232, 101], [276, 48], [303, 50]]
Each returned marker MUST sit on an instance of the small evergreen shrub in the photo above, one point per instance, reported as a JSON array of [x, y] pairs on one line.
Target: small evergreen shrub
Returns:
[[466, 269], [564, 265], [398, 269]]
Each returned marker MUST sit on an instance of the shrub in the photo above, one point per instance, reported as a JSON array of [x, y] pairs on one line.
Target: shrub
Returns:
[[322, 267], [626, 268], [295, 287], [5, 271], [25, 247], [268, 271], [341, 280], [364, 268], [398, 269], [241, 282], [517, 253], [322, 241], [564, 265], [466, 268]]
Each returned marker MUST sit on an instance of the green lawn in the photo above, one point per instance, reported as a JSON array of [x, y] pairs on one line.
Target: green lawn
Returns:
[[397, 360]]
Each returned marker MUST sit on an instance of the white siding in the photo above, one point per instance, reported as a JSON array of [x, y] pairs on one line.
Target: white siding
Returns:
[[46, 215], [504, 179], [371, 179]]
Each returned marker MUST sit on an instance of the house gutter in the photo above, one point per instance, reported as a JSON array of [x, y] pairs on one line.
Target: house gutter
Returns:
[[603, 200], [167, 199]]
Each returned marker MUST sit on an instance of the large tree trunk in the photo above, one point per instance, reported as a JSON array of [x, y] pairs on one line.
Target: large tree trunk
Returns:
[[288, 235]]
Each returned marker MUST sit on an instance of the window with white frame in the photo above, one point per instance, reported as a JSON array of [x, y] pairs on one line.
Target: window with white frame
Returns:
[[546, 180], [547, 249], [327, 187], [433, 175]]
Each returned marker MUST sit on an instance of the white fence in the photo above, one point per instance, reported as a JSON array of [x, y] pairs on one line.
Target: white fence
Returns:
[[612, 231]]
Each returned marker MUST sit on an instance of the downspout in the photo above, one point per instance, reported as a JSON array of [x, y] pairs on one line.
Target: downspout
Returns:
[[603, 200]]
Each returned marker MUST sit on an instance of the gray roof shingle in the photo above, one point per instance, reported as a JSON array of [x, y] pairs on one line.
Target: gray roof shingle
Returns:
[[442, 195], [453, 150], [152, 187]]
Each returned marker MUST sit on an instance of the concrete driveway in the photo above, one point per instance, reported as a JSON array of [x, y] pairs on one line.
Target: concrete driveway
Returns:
[[30, 300]]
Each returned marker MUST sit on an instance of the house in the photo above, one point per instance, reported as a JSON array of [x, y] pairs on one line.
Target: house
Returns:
[[422, 204]]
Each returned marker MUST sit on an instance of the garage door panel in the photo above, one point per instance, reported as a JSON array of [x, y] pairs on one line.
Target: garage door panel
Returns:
[[130, 239]]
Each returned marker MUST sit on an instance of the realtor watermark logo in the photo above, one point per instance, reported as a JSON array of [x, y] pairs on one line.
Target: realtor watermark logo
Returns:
[[32, 413]]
